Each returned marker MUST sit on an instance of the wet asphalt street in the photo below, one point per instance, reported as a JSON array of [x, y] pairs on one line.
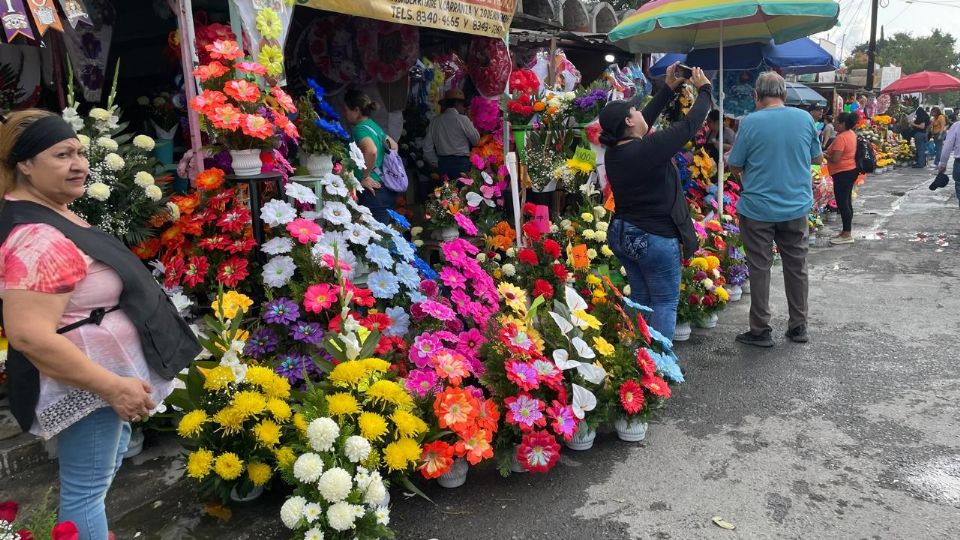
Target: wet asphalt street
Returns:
[[854, 435]]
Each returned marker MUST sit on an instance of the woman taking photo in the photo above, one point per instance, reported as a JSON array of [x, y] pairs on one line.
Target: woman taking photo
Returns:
[[842, 163], [651, 220], [372, 141], [94, 343]]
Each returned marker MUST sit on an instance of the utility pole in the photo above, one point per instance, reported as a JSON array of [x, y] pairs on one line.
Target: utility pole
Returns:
[[872, 49]]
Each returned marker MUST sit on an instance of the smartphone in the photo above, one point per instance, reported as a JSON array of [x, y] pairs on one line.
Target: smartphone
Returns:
[[682, 71]]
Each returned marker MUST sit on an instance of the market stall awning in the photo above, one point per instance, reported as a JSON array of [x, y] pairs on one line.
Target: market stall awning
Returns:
[[797, 56], [800, 95], [490, 18], [927, 82]]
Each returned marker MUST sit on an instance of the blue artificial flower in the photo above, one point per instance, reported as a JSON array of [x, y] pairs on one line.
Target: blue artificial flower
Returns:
[[399, 219], [408, 275], [667, 364], [425, 269], [400, 321], [406, 249], [416, 297], [630, 303], [659, 338], [317, 89], [383, 284], [379, 255]]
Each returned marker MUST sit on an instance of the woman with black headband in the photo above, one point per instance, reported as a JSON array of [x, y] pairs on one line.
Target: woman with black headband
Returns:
[[94, 341], [651, 220]]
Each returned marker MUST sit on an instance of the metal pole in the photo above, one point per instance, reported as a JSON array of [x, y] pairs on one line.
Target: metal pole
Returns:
[[189, 62], [872, 48], [720, 137]]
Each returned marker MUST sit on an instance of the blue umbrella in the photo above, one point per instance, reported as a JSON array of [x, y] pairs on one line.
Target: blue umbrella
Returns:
[[800, 95], [797, 56]]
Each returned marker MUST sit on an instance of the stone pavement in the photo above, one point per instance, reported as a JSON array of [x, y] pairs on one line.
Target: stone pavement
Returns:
[[854, 435]]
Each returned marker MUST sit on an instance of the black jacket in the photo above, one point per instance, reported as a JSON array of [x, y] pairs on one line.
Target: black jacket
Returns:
[[167, 341], [645, 181]]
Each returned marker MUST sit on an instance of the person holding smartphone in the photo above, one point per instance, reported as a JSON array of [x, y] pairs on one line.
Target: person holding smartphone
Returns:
[[651, 226]]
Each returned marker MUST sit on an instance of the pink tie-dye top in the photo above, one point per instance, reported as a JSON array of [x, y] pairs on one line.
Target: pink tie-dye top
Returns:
[[38, 257]]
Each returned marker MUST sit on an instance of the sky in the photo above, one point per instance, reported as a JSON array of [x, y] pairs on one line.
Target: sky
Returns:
[[918, 17]]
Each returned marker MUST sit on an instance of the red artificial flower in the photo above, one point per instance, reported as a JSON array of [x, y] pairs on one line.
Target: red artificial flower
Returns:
[[240, 245], [543, 288], [208, 180], [488, 416], [538, 451], [709, 300], [552, 248], [174, 271], [224, 49], [8, 511], [65, 531], [251, 67], [242, 90], [530, 229], [256, 126], [644, 329], [226, 117], [529, 209], [560, 271], [320, 297], [210, 71], [25, 534], [522, 374], [528, 256], [235, 220], [645, 363], [455, 408], [283, 99], [196, 271], [631, 397], [207, 101], [232, 271], [719, 244], [437, 459], [376, 321], [214, 243], [362, 297], [475, 446], [147, 249], [694, 300], [656, 385]]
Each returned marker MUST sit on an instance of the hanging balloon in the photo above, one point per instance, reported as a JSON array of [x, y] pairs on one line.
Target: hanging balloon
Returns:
[[489, 65], [387, 50]]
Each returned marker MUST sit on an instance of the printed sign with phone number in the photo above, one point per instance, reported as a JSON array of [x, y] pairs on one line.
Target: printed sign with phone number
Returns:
[[490, 18]]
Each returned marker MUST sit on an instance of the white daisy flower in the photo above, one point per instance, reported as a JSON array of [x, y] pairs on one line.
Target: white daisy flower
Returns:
[[357, 156], [336, 212], [277, 212], [277, 246], [301, 193], [278, 271]]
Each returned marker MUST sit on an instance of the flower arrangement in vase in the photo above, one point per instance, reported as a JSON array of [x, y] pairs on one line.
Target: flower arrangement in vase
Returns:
[[320, 134], [445, 210], [701, 290], [237, 420]]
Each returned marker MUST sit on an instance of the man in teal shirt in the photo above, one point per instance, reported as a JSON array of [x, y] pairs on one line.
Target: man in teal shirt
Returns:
[[774, 150]]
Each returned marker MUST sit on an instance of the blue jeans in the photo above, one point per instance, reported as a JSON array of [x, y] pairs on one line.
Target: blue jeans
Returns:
[[938, 144], [653, 271], [956, 176], [920, 140], [378, 203], [90, 453], [453, 167]]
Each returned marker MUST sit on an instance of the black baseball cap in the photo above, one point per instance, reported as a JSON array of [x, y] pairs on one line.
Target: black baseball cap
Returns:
[[614, 114]]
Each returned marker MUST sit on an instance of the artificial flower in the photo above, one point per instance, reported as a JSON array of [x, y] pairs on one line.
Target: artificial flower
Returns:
[[538, 451], [342, 515], [322, 433], [631, 397], [656, 385], [308, 468], [228, 466], [437, 458], [399, 454], [524, 411], [303, 230], [514, 296], [335, 484], [372, 426], [199, 464]]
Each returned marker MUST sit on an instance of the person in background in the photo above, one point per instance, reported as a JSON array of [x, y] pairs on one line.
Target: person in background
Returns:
[[816, 111], [373, 142], [829, 132], [450, 137], [774, 150], [841, 157], [651, 229], [919, 125], [938, 131], [951, 145], [78, 368], [713, 139]]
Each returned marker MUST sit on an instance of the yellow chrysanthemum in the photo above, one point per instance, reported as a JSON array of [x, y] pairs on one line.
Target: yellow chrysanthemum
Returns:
[[375, 365], [350, 373], [249, 403], [587, 320], [513, 296], [399, 454], [341, 404], [699, 263], [408, 424], [259, 375], [228, 466], [722, 294], [230, 420], [372, 426], [192, 423], [230, 304], [587, 216], [272, 58], [268, 24], [279, 409], [603, 346], [599, 296], [277, 387], [267, 433], [389, 392], [199, 464], [259, 473], [300, 422], [285, 457], [712, 262], [593, 280], [217, 378], [606, 251]]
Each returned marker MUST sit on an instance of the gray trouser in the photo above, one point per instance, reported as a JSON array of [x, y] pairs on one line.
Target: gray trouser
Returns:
[[791, 240]]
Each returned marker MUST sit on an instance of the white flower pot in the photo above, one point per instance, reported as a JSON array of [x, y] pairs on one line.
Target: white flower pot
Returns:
[[812, 239], [630, 431], [135, 446], [245, 162], [456, 476], [736, 292], [254, 493], [682, 332], [583, 438], [318, 164], [709, 322], [449, 233], [516, 466]]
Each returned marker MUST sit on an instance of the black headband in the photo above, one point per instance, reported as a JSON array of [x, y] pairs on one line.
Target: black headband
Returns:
[[40, 135]]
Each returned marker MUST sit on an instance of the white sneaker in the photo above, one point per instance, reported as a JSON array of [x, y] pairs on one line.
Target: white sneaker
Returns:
[[838, 240]]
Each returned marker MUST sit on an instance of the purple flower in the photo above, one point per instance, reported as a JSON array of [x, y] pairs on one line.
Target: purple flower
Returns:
[[262, 342], [475, 392], [700, 275], [307, 332], [422, 382], [296, 367], [281, 311]]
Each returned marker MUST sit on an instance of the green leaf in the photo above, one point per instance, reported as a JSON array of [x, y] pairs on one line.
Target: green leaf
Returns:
[[414, 489]]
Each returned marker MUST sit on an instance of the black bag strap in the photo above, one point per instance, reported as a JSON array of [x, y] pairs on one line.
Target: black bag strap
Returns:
[[96, 317]]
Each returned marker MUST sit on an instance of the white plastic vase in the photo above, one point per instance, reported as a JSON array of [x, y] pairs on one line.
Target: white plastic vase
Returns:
[[709, 322], [245, 162], [630, 431], [736, 292], [456, 476], [253, 495], [318, 164], [682, 332], [583, 438]]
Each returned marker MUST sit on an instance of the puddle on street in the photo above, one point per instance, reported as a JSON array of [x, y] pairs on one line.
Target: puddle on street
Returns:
[[937, 481]]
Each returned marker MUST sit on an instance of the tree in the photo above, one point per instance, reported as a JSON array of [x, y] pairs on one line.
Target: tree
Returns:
[[935, 52]]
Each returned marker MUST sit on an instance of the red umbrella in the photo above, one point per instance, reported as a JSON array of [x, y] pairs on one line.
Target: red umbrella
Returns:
[[926, 82]]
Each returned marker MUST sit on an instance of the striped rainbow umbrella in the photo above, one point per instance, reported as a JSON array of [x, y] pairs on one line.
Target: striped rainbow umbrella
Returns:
[[684, 25]]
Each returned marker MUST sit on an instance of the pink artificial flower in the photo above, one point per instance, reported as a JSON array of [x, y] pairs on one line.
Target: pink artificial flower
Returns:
[[465, 223], [564, 421], [522, 374], [524, 411], [452, 278], [437, 310], [319, 297], [450, 365], [478, 161], [304, 230], [423, 348], [422, 382], [429, 288], [332, 262]]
